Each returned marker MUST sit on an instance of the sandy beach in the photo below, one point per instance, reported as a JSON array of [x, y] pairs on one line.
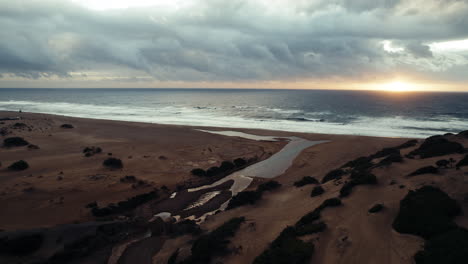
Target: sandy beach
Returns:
[[61, 181]]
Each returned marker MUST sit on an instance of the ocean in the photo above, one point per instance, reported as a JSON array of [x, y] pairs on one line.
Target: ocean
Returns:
[[370, 113]]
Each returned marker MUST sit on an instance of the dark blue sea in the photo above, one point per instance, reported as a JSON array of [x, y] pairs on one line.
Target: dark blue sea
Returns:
[[373, 113]]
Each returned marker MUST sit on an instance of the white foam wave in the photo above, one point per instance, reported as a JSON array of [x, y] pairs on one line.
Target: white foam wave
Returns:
[[181, 115]]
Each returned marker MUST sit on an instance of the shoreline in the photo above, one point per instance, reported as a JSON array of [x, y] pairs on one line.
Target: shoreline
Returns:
[[258, 131]]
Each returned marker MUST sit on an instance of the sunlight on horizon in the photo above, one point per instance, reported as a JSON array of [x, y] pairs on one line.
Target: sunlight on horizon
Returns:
[[398, 86]]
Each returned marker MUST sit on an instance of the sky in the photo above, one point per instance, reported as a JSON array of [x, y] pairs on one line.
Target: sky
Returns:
[[315, 44]]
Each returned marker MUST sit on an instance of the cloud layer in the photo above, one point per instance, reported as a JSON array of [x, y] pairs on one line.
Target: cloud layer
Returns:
[[234, 41]]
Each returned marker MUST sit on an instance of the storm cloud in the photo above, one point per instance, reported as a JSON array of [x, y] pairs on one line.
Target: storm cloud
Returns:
[[236, 40]]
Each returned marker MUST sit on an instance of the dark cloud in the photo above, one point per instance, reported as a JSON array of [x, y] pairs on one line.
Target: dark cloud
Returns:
[[233, 40]]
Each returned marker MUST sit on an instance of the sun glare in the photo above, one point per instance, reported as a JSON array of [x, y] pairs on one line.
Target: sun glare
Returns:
[[396, 86]]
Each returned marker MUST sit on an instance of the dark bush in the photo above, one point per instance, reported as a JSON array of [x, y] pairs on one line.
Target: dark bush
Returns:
[[424, 170], [332, 202], [128, 179], [268, 186], [316, 191], [173, 258], [240, 162], [448, 248], [333, 175], [357, 178], [214, 243], [66, 126], [408, 144], [91, 205], [463, 134], [442, 163], [437, 146], [113, 163], [463, 162], [199, 172], [361, 163], [226, 166], [184, 227], [286, 248], [243, 198], [124, 206], [385, 152], [376, 208], [14, 142], [309, 217], [21, 245], [90, 151], [311, 228], [19, 165], [392, 158], [305, 181], [32, 146], [426, 212], [347, 188], [213, 171]]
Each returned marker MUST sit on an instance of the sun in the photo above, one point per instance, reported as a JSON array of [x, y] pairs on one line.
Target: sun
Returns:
[[396, 86]]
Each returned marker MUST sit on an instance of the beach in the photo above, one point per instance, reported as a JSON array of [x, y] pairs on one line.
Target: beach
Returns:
[[62, 180]]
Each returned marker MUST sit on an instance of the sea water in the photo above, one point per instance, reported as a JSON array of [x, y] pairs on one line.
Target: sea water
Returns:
[[372, 113]]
